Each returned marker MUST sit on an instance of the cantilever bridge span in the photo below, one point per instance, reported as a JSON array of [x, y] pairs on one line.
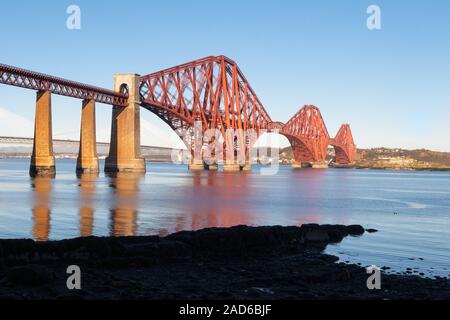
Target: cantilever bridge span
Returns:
[[212, 92]]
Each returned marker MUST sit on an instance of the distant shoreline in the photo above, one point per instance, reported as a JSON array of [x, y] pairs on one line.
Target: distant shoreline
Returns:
[[446, 169], [336, 166]]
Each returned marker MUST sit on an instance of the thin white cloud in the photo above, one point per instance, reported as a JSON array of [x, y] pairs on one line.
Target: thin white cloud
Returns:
[[151, 135], [14, 125]]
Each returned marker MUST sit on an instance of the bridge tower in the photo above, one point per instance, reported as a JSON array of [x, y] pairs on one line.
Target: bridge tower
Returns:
[[125, 147]]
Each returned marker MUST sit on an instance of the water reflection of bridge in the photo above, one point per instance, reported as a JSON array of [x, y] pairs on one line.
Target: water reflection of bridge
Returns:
[[218, 209], [203, 200], [123, 213]]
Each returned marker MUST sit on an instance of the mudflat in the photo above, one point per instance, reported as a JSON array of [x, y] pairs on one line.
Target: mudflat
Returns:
[[240, 262]]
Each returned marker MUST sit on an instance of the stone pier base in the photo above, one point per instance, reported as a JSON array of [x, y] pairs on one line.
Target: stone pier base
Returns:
[[196, 166], [246, 167], [42, 159], [47, 171], [314, 165], [87, 165], [212, 166], [113, 165], [231, 167], [296, 165], [319, 165]]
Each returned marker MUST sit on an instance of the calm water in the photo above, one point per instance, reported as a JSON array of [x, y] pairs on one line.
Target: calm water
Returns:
[[169, 198]]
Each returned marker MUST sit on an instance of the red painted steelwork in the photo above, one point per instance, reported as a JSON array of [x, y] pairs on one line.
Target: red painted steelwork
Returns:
[[344, 145], [38, 81], [309, 138], [212, 90], [307, 134]]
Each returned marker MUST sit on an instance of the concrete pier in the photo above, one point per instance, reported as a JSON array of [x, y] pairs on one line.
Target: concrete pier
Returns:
[[313, 165], [197, 165], [125, 149], [246, 167], [319, 165], [42, 159], [231, 167], [213, 166], [296, 165], [87, 161]]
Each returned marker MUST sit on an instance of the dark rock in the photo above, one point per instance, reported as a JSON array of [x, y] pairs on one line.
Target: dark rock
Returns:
[[314, 233], [69, 296], [239, 240], [355, 230], [335, 235], [329, 258], [316, 275], [2, 262], [9, 297], [175, 249], [32, 275], [234, 263], [17, 246], [371, 230], [335, 232], [93, 246]]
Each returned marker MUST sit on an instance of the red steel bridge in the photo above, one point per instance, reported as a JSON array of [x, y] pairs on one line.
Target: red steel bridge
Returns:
[[211, 91]]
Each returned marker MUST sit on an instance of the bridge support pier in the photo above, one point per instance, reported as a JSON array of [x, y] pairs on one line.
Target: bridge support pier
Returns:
[[319, 165], [197, 165], [42, 159], [125, 148], [213, 166], [231, 167], [296, 165], [247, 166], [313, 165], [87, 161]]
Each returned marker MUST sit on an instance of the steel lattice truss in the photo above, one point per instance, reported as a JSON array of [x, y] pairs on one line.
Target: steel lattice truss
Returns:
[[37, 81], [307, 134], [344, 145], [310, 139], [212, 90]]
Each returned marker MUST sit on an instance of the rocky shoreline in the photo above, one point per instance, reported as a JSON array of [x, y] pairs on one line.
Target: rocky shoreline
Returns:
[[219, 263]]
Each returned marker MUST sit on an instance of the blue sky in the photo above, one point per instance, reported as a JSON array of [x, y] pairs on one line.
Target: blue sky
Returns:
[[392, 85]]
